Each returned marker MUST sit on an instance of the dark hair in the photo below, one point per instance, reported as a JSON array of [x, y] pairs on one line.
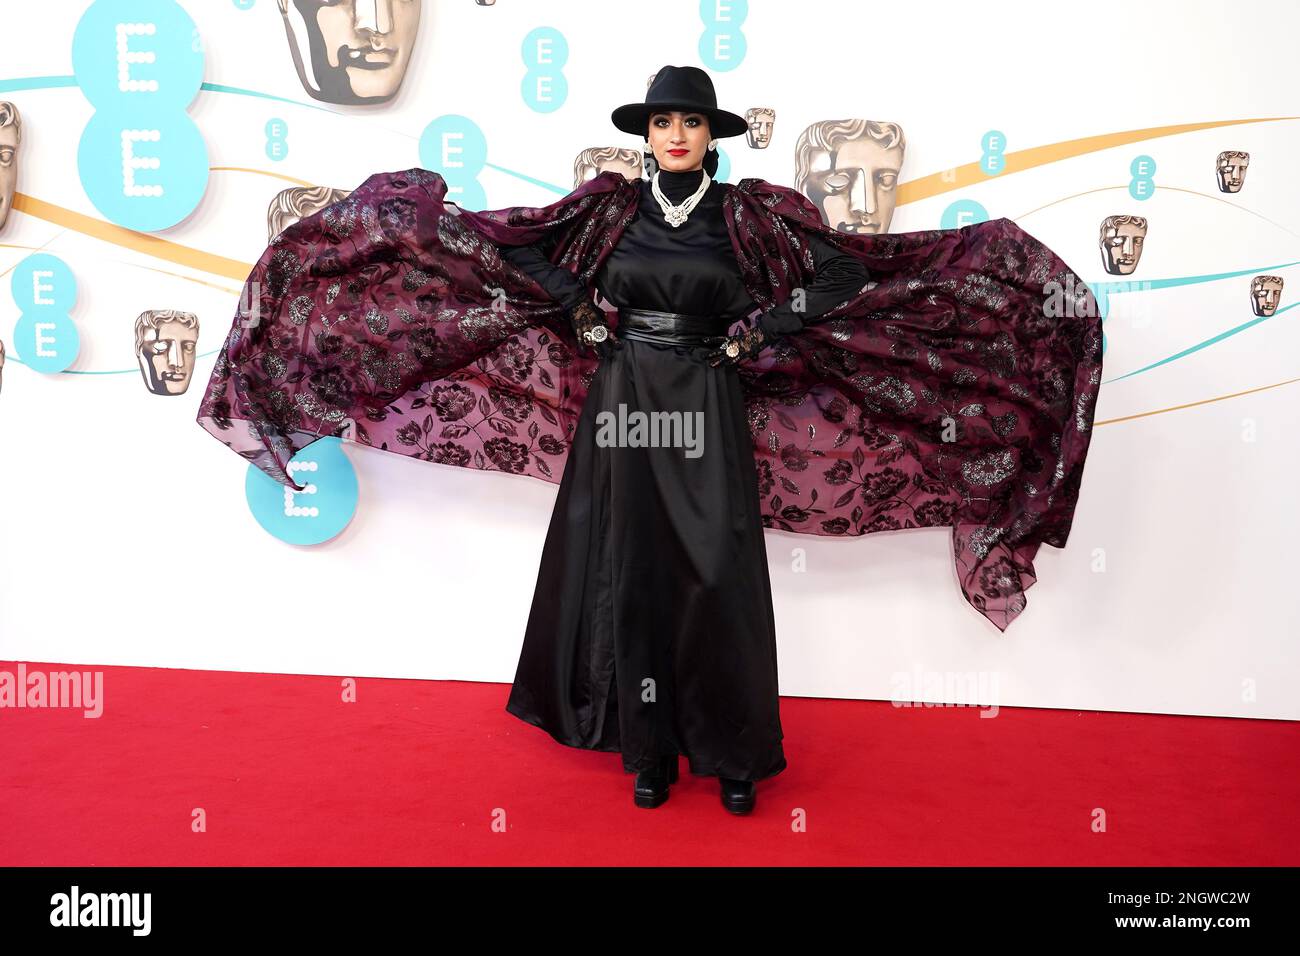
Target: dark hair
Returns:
[[710, 163]]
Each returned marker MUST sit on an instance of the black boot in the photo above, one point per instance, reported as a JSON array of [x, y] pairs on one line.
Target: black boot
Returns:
[[737, 795], [651, 787]]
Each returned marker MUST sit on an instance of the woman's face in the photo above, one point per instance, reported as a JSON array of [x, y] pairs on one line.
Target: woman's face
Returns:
[[679, 140]]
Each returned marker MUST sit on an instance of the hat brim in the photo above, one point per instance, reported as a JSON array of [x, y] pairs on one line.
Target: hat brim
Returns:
[[634, 118]]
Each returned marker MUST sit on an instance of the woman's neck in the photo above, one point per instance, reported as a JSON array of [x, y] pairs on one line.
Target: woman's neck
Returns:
[[678, 185]]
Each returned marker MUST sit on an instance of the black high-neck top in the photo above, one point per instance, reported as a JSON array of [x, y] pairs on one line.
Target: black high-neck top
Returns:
[[690, 268]]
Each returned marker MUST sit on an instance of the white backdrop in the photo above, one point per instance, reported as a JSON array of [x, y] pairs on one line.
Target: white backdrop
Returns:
[[127, 539]]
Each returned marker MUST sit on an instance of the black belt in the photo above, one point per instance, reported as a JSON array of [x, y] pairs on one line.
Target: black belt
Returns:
[[671, 328]]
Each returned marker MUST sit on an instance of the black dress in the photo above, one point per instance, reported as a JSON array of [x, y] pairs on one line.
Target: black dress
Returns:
[[651, 630]]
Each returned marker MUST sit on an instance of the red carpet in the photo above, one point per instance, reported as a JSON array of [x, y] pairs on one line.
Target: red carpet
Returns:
[[415, 772]]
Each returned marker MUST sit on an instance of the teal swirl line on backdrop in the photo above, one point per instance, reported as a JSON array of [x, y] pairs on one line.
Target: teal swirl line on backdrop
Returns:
[[1143, 285], [57, 82], [1106, 288], [1201, 345], [1119, 287], [36, 83]]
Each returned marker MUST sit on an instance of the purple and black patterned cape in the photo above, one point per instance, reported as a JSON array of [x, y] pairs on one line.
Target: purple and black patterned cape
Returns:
[[957, 389]]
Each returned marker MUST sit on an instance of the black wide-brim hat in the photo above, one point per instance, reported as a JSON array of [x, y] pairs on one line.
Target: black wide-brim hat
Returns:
[[685, 88]]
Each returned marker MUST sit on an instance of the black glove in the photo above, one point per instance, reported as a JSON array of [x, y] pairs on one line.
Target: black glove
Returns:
[[588, 322], [747, 345]]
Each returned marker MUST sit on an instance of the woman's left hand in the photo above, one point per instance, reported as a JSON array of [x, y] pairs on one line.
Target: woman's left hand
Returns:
[[742, 347]]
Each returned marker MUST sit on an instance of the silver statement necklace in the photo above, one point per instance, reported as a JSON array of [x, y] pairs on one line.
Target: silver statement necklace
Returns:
[[676, 215]]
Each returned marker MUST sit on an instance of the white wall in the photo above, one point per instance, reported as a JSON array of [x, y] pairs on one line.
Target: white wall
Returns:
[[126, 538]]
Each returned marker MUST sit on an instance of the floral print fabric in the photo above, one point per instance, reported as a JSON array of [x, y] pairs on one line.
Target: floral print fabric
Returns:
[[956, 389]]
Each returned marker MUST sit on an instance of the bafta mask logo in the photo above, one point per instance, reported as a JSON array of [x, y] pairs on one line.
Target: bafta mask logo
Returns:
[[11, 135], [761, 119], [1121, 243], [165, 343], [849, 170], [351, 51], [1231, 170], [299, 202], [1265, 294], [595, 160]]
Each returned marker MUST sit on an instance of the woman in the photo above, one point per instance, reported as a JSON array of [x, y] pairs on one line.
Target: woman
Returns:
[[654, 575], [955, 389]]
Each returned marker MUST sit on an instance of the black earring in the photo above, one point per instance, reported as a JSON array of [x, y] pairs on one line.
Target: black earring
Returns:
[[648, 161]]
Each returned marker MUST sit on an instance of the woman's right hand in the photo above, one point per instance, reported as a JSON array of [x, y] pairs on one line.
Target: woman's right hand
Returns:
[[588, 322]]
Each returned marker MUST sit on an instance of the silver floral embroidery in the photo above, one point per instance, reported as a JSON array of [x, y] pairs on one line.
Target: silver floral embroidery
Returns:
[[376, 321], [1004, 425], [479, 323], [341, 216], [1026, 523], [300, 309], [1001, 354], [384, 371], [370, 221], [316, 409], [983, 538], [414, 279], [274, 365], [1082, 420], [283, 268], [456, 237], [990, 468], [332, 291], [895, 392], [1040, 262], [982, 290], [841, 329]]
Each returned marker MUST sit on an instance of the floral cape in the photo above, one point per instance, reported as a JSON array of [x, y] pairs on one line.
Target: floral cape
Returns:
[[957, 388]]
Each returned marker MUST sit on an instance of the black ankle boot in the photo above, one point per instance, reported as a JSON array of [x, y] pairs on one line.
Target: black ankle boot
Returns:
[[651, 787], [737, 795]]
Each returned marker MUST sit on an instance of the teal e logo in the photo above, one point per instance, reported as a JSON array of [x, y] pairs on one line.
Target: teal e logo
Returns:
[[545, 52], [316, 514], [45, 290], [962, 212], [454, 146], [141, 159], [722, 45]]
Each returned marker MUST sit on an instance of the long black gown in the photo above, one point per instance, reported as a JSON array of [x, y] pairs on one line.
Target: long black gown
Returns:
[[651, 630]]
